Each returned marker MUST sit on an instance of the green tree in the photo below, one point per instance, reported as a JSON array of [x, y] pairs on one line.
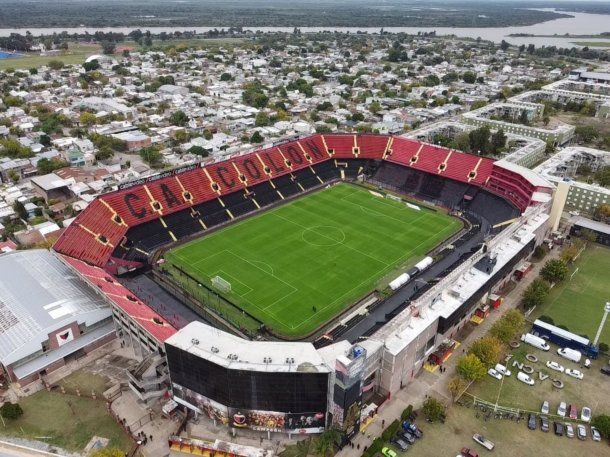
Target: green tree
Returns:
[[586, 133], [12, 148], [107, 452], [375, 107], [152, 156], [226, 77], [433, 409], [469, 77], [505, 328], [207, 135], [87, 119], [550, 147], [11, 411], [327, 442], [262, 119], [498, 141], [55, 64], [535, 294], [554, 270], [488, 349], [470, 368], [46, 166], [108, 47], [179, 118], [479, 140], [602, 176], [256, 138], [602, 423], [198, 150], [456, 387]]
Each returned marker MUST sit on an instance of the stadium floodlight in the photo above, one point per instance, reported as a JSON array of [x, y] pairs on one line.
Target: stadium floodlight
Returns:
[[221, 284]]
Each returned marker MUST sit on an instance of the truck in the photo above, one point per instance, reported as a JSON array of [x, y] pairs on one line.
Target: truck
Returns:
[[489, 445], [570, 354], [564, 338], [535, 341]]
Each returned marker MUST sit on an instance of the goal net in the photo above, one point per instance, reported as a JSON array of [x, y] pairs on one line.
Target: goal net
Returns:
[[221, 284]]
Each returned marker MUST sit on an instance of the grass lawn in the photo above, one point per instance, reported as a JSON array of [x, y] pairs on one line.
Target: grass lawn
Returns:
[[65, 421], [76, 54], [324, 250], [578, 303], [593, 44]]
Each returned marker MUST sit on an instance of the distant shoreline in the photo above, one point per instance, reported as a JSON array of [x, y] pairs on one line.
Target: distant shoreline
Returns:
[[601, 36]]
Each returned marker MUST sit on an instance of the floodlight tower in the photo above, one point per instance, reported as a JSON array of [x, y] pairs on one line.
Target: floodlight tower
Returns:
[[601, 324]]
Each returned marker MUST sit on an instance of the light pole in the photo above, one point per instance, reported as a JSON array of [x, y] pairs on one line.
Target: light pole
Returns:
[[601, 324]]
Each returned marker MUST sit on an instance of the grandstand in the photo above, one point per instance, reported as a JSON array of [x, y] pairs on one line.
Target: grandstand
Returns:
[[123, 233]]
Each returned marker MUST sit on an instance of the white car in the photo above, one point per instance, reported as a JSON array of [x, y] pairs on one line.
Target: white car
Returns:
[[494, 374], [555, 366], [502, 370], [574, 373], [521, 376], [595, 434], [585, 414], [561, 409], [569, 430], [545, 407]]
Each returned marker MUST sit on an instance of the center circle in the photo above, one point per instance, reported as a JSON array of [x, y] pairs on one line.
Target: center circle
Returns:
[[323, 235]]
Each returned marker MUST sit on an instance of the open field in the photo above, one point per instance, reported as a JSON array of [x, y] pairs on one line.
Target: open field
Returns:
[[297, 266], [76, 54], [65, 421], [578, 303]]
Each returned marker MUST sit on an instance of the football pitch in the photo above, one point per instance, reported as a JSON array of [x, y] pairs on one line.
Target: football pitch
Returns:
[[297, 266], [578, 302]]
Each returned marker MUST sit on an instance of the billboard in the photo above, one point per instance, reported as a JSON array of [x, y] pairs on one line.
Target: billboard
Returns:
[[265, 421]]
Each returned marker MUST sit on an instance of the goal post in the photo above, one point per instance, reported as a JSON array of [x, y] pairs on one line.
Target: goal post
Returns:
[[221, 284]]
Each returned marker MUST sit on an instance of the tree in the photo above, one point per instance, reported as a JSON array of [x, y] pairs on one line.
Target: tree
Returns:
[[92, 65], [588, 235], [256, 138], [535, 294], [108, 47], [488, 349], [11, 411], [198, 150], [433, 409], [107, 452], [208, 135], [12, 148], [55, 64], [87, 119], [469, 77], [471, 368], [504, 329], [152, 156], [554, 270], [602, 423], [262, 119], [327, 442], [586, 133], [504, 45], [602, 176], [179, 118], [46, 166], [602, 213], [498, 141], [479, 140], [375, 107], [456, 387], [226, 77], [550, 147]]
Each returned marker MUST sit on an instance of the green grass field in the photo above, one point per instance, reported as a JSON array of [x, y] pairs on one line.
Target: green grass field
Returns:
[[325, 250], [578, 303]]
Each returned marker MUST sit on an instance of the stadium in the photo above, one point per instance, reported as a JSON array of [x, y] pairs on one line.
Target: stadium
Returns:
[[275, 283]]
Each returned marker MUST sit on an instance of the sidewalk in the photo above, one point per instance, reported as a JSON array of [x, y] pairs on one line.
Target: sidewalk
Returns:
[[436, 384]]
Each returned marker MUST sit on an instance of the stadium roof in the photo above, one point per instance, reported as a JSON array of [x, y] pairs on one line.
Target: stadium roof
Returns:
[[39, 294], [236, 353], [528, 174]]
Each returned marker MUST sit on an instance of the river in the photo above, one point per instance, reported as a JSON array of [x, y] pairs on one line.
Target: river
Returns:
[[580, 24]]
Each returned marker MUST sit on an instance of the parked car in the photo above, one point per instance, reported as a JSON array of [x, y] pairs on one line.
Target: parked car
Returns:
[[582, 432], [574, 373], [467, 452], [595, 434], [531, 421], [573, 412], [544, 423], [494, 374], [585, 414], [569, 430], [412, 428], [561, 409], [605, 370], [400, 444], [408, 437], [555, 366], [545, 407], [388, 452], [489, 445], [502, 370], [558, 428], [521, 376]]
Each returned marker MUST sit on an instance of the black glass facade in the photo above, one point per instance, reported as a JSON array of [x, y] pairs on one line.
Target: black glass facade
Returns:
[[245, 389]]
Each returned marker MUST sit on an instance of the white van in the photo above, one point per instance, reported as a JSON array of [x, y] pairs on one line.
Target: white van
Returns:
[[535, 341], [502, 369], [570, 354], [521, 376]]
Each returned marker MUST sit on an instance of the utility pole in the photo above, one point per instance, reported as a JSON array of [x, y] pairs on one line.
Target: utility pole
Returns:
[[601, 324]]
